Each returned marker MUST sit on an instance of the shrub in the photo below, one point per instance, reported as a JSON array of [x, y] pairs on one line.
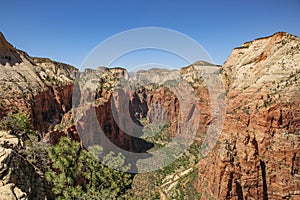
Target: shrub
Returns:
[[19, 124]]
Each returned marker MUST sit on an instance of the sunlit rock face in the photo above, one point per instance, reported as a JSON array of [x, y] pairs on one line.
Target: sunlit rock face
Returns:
[[258, 155], [39, 86]]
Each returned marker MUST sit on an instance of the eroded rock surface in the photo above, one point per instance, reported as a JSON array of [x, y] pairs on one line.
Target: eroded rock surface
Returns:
[[259, 150], [20, 179], [39, 86]]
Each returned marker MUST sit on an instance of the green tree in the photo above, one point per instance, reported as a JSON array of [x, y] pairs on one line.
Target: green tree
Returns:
[[77, 174], [18, 123]]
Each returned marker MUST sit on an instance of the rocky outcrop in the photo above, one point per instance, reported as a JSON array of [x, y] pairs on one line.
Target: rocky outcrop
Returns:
[[258, 153], [20, 179], [8, 54], [10, 191]]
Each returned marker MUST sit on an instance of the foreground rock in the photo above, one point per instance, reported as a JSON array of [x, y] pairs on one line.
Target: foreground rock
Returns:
[[20, 179]]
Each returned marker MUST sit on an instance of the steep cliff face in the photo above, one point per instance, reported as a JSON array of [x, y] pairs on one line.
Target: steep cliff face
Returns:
[[259, 150], [8, 53], [49, 106], [38, 86], [119, 109]]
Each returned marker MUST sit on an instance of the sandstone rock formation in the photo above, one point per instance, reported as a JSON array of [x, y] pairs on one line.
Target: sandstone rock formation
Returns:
[[8, 53], [258, 155], [38, 86], [120, 102]]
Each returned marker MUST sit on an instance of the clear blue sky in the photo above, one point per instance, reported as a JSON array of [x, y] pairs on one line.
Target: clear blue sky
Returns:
[[67, 31]]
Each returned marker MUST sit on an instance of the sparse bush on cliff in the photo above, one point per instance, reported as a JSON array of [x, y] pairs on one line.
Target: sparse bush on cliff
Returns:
[[18, 123], [36, 152]]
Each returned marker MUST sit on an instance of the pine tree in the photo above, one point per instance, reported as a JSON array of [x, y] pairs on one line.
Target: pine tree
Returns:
[[18, 122], [77, 174]]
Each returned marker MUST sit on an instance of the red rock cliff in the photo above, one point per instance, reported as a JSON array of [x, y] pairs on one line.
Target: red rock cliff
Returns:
[[258, 154], [39, 86]]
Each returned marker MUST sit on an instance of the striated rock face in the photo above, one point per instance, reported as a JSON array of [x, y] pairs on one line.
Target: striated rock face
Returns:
[[258, 155], [119, 109], [38, 86], [49, 106], [8, 53]]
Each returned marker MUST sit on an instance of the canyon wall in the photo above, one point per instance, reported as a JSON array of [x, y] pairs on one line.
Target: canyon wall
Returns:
[[116, 110], [258, 154], [39, 86]]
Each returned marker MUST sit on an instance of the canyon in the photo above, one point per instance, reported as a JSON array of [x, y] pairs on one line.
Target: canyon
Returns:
[[255, 156]]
